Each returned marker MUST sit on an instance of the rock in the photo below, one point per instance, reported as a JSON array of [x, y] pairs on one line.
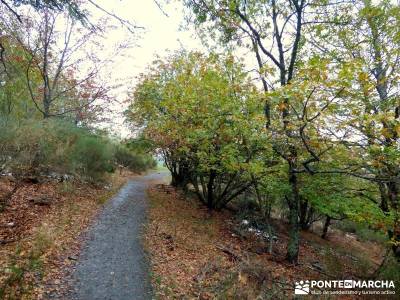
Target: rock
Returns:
[[67, 177], [350, 236], [245, 222], [266, 236], [6, 174]]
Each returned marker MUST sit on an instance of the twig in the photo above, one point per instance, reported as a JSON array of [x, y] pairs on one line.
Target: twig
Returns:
[[321, 272], [233, 255], [12, 10], [160, 8], [4, 200], [3, 242], [123, 22]]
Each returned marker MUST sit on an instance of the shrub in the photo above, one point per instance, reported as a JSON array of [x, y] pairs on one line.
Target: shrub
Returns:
[[135, 162], [91, 157], [362, 231], [35, 148]]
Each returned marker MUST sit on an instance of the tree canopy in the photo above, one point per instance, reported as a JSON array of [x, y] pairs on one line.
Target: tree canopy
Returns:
[[319, 132]]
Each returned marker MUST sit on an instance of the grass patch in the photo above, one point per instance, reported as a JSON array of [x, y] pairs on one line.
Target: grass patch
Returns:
[[42, 241], [362, 231], [18, 283], [66, 188]]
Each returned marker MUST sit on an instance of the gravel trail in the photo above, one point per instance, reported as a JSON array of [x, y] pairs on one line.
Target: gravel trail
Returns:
[[112, 264]]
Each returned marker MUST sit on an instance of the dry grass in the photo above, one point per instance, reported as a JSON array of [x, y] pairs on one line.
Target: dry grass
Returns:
[[44, 238], [186, 244]]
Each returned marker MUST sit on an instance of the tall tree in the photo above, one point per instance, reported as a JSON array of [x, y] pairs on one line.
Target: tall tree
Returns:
[[370, 44], [55, 44], [205, 116], [275, 31], [15, 100]]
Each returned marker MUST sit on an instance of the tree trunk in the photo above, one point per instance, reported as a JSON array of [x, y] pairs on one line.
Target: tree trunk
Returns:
[[174, 178], [394, 234], [384, 205], [178, 176], [306, 214], [46, 105], [292, 254], [210, 190], [389, 196], [326, 227]]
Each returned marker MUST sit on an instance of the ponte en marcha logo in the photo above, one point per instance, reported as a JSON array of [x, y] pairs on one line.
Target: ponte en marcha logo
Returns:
[[344, 287]]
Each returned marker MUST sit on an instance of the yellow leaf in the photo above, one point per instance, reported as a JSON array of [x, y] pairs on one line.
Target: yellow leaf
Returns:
[[242, 279], [397, 129], [282, 106], [386, 133]]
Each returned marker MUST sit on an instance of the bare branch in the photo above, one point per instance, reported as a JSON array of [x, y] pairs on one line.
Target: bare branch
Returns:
[[123, 22], [12, 10]]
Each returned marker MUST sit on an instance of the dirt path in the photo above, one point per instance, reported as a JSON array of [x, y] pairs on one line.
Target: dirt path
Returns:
[[112, 264]]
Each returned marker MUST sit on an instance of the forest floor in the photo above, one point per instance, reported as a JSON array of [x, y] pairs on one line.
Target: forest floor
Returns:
[[112, 263], [194, 253], [198, 254], [40, 232]]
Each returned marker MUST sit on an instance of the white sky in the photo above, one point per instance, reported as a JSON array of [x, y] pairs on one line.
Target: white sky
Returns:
[[161, 34]]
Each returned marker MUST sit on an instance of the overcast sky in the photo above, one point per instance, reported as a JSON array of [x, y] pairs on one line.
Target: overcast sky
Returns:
[[161, 34]]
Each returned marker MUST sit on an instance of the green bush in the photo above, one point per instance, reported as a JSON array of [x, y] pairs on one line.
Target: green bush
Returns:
[[92, 156], [38, 148], [362, 231], [135, 162]]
